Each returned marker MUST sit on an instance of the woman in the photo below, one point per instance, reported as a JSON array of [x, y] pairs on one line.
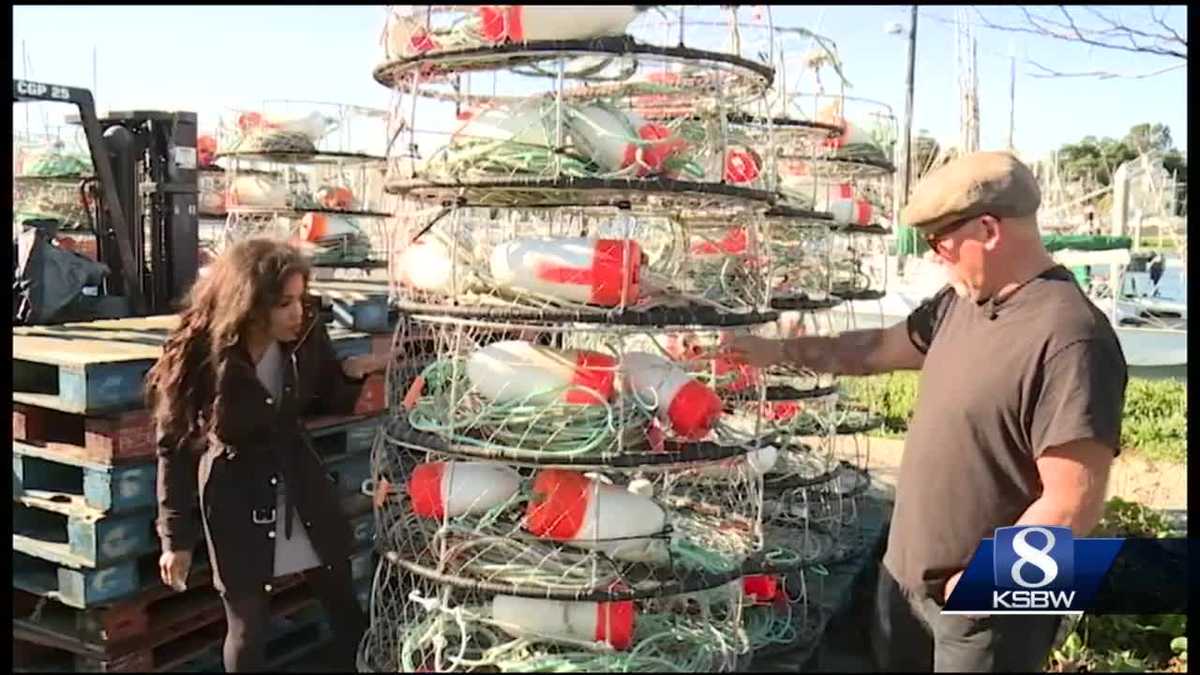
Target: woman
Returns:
[[248, 360]]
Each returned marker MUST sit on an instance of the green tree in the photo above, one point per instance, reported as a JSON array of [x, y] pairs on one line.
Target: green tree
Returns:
[[1093, 161]]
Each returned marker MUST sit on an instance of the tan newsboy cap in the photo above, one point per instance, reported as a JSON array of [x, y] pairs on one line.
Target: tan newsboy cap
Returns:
[[971, 185]]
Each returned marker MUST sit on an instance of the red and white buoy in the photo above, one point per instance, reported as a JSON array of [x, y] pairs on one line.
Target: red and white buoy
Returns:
[[206, 150], [572, 508], [607, 622], [312, 126], [525, 23], [407, 36], [258, 191], [602, 272], [690, 408], [324, 226], [846, 207], [850, 134], [519, 371], [335, 197], [617, 139], [761, 589], [742, 165], [451, 489]]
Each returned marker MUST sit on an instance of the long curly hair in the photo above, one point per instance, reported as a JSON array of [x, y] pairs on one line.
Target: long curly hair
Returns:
[[237, 293]]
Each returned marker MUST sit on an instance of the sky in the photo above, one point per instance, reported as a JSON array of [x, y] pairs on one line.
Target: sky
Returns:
[[212, 59]]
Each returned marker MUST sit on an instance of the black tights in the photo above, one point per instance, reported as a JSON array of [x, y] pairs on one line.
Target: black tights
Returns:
[[248, 617]]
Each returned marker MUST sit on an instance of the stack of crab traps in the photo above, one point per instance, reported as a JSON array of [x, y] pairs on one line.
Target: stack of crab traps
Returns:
[[575, 475]]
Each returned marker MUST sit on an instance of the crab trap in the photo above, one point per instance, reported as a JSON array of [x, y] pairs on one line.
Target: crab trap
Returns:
[[310, 177]]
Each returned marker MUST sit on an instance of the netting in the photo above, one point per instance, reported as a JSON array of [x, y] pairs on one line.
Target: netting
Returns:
[[52, 180]]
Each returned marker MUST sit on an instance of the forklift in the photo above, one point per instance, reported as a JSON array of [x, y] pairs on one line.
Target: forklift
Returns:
[[141, 207]]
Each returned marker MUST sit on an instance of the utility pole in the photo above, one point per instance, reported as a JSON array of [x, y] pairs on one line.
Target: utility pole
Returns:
[[1012, 94], [908, 105], [906, 168]]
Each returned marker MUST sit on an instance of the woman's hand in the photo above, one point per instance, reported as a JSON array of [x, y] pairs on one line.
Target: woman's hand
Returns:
[[358, 367], [174, 566]]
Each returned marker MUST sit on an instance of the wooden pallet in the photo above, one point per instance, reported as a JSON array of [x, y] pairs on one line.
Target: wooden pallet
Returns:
[[87, 588], [46, 477], [111, 439], [289, 640], [111, 627], [100, 366], [356, 305], [186, 629], [74, 535]]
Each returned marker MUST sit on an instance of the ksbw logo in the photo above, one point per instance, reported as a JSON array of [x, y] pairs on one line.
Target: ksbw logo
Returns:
[[1033, 569]]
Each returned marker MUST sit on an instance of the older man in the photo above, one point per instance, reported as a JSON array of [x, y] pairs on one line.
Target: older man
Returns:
[[1017, 422]]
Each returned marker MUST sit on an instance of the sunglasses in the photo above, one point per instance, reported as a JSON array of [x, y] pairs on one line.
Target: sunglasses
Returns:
[[936, 239]]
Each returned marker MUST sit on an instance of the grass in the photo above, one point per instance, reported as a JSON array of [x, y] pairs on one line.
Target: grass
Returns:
[[1121, 642], [1154, 424]]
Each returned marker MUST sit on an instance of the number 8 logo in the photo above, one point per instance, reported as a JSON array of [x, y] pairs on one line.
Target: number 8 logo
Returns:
[[1027, 554]]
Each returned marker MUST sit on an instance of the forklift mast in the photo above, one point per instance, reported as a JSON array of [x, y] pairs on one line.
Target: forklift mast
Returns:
[[146, 221]]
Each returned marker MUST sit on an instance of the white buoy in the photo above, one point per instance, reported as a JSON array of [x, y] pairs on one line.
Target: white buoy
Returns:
[[451, 489], [690, 408], [602, 272], [617, 139], [524, 23], [608, 622], [312, 126], [528, 122], [755, 463], [519, 371], [571, 508], [325, 226], [258, 191], [428, 265]]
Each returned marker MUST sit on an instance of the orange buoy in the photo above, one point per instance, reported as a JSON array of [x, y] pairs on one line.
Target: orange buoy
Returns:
[[690, 408], [322, 226]]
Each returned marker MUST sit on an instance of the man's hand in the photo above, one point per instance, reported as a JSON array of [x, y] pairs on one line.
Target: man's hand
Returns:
[[358, 367], [755, 351]]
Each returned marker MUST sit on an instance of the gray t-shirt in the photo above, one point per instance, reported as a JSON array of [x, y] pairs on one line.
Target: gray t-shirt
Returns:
[[1001, 383]]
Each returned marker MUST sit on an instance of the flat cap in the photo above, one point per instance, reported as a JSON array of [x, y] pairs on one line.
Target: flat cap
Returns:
[[972, 185]]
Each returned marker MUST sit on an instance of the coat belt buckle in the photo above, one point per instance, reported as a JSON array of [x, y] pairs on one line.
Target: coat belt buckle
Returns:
[[260, 518]]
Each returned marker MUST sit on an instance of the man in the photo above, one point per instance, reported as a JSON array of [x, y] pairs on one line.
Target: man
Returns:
[[1017, 421], [1157, 265]]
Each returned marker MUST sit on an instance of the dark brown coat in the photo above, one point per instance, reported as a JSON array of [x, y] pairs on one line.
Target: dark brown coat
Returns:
[[234, 471]]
